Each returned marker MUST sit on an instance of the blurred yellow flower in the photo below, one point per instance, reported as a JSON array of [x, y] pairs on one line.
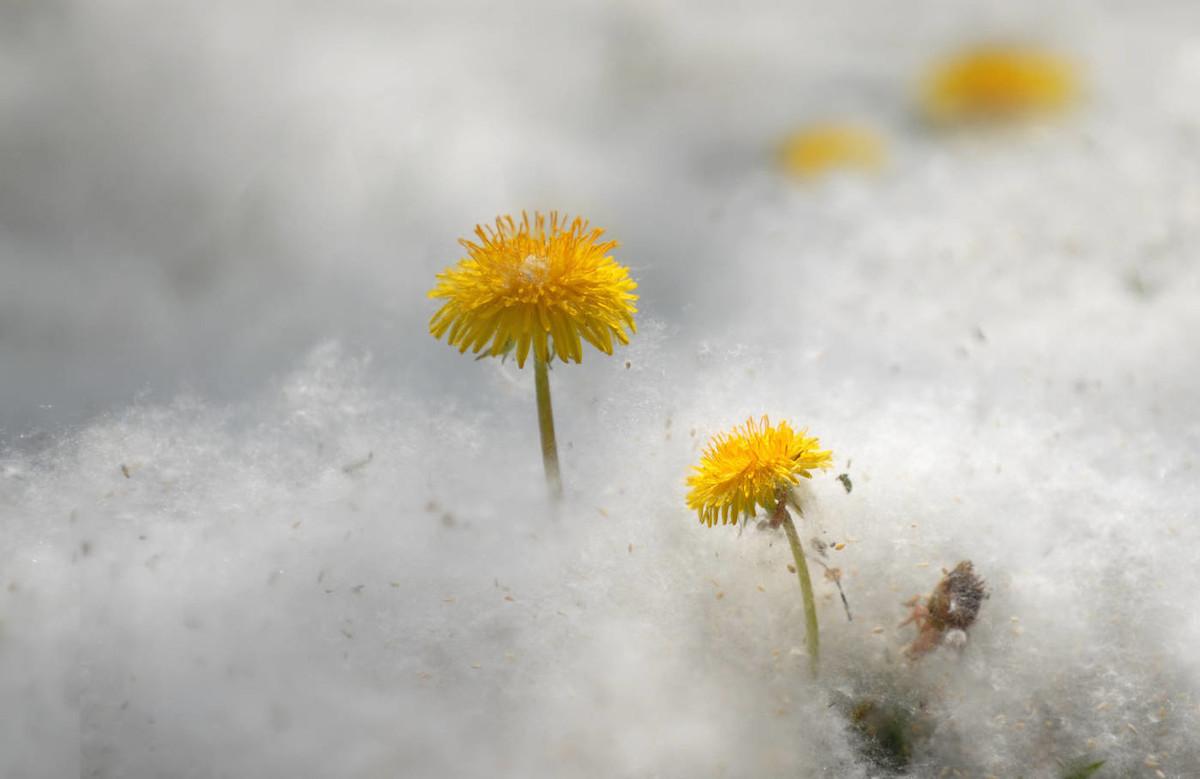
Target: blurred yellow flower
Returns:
[[747, 467], [823, 148], [998, 83], [542, 284]]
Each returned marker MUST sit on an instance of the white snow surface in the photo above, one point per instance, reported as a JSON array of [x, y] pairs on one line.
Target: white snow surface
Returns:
[[258, 523]]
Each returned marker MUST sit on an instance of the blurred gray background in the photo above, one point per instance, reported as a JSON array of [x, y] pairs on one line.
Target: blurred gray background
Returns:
[[193, 194], [257, 522]]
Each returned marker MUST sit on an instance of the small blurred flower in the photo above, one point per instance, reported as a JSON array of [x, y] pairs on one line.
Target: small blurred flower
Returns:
[[748, 466], [540, 284], [998, 83], [820, 149]]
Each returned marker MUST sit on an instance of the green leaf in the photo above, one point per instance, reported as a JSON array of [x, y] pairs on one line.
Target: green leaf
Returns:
[[1083, 771]]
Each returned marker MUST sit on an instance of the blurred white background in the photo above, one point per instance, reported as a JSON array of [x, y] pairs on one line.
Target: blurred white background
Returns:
[[218, 223]]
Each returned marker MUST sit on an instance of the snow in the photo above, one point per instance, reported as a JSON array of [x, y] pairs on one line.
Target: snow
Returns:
[[259, 523]]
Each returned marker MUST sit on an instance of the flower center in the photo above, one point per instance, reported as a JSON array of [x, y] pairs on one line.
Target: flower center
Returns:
[[533, 269]]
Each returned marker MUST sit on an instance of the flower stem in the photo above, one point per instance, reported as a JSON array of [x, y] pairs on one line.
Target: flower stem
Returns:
[[811, 635], [541, 378]]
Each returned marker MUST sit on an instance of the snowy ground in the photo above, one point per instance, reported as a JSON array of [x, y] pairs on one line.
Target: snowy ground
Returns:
[[259, 524]]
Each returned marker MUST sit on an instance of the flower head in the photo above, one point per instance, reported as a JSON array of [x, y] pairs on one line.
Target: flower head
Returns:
[[542, 284], [819, 149], [747, 467], [998, 82]]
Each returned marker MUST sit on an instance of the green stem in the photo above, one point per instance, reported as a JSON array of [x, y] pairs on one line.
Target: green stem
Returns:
[[541, 378], [811, 634]]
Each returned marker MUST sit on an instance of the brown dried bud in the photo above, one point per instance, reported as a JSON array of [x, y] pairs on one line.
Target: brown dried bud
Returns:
[[955, 602], [952, 606]]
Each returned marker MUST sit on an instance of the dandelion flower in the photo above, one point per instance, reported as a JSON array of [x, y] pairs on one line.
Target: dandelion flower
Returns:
[[748, 467], [758, 464], [546, 285], [824, 148], [998, 83], [542, 284]]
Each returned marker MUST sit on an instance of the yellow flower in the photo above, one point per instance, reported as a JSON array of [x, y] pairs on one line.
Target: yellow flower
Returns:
[[542, 284], [998, 83], [820, 149], [748, 466]]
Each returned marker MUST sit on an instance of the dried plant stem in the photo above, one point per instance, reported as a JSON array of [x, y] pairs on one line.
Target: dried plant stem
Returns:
[[811, 635], [541, 377]]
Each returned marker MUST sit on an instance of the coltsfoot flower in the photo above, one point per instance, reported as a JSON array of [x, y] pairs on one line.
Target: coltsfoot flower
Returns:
[[748, 466], [819, 149], [991, 83], [539, 284]]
